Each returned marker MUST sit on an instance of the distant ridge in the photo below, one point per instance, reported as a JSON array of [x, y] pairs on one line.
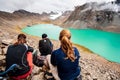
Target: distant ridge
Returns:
[[24, 12], [22, 17], [103, 16]]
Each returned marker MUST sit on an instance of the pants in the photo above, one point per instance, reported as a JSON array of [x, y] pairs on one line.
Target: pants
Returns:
[[53, 69]]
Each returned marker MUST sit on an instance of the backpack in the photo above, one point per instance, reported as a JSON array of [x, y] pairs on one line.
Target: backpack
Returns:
[[17, 55], [45, 47], [38, 60]]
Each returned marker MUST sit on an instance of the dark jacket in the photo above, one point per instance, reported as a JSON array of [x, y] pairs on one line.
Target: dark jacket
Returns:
[[45, 47], [17, 54], [67, 70]]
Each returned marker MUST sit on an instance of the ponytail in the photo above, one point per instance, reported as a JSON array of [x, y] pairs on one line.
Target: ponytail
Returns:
[[66, 45]]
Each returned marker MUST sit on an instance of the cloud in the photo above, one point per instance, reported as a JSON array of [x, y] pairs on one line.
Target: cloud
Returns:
[[42, 5], [11, 5]]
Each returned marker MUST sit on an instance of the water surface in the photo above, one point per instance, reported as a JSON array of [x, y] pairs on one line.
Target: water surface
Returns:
[[106, 44]]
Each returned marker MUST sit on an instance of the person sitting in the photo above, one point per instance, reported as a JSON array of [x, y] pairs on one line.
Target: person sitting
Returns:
[[45, 48], [21, 54], [45, 45], [66, 58]]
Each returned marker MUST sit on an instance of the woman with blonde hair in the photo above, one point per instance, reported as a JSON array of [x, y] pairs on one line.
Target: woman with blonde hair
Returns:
[[66, 58]]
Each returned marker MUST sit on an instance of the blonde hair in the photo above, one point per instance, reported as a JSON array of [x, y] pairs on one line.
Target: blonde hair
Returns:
[[66, 44]]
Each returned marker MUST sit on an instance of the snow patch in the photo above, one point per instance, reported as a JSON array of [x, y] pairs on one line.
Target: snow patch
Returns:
[[54, 16]]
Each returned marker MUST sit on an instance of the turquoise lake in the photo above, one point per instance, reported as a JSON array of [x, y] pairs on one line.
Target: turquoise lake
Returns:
[[105, 44]]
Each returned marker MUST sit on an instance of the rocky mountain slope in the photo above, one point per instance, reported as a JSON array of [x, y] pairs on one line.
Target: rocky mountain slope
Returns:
[[93, 67], [61, 18], [103, 16]]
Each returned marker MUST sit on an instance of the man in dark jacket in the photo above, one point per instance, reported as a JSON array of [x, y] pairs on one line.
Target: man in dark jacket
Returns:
[[19, 53], [45, 48], [45, 45]]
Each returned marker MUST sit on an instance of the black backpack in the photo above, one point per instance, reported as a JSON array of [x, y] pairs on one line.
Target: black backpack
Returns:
[[45, 47]]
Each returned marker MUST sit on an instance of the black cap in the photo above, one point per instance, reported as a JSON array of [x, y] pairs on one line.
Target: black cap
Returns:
[[44, 35]]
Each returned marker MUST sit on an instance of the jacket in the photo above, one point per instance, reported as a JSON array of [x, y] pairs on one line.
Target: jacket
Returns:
[[67, 70], [17, 54]]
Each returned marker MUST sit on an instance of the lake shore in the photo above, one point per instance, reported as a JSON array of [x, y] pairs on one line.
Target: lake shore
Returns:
[[93, 67]]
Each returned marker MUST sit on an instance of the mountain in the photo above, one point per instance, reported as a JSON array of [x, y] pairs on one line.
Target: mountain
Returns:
[[22, 17], [6, 18], [25, 13], [60, 18], [103, 16]]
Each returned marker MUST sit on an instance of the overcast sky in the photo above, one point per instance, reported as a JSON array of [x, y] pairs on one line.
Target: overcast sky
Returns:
[[42, 5]]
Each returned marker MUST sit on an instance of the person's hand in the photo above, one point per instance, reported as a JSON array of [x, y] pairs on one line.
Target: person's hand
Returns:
[[30, 49]]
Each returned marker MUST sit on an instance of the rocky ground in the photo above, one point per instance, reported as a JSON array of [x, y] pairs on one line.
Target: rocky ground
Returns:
[[93, 67]]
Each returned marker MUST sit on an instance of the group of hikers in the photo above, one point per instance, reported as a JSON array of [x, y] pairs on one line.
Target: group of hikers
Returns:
[[63, 63]]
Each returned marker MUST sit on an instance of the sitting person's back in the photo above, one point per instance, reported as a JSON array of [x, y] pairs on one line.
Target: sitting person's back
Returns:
[[66, 58], [19, 54], [45, 45], [16, 54]]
